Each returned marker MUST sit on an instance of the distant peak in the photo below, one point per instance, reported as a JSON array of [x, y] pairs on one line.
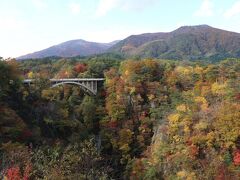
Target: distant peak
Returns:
[[190, 28], [195, 27], [204, 25]]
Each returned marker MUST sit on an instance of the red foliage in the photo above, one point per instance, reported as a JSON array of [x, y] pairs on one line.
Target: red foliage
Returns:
[[13, 173], [194, 150], [80, 68], [189, 142], [236, 157], [112, 124], [103, 93], [222, 173], [238, 96], [26, 134], [143, 114]]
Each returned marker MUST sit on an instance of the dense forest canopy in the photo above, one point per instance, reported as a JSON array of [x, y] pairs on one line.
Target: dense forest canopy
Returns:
[[151, 119]]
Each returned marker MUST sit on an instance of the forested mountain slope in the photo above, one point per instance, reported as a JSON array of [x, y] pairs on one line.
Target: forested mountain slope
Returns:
[[187, 42], [70, 49]]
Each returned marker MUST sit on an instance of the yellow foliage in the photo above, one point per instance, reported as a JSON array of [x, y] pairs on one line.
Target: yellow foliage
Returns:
[[132, 90], [202, 101], [182, 174], [25, 94], [186, 129], [210, 138], [219, 89], [174, 122], [182, 108], [201, 126], [124, 147], [174, 118], [184, 70], [177, 138], [48, 94], [64, 113], [198, 70], [118, 97], [125, 136], [227, 123], [151, 97], [199, 139], [191, 176], [30, 75], [186, 175]]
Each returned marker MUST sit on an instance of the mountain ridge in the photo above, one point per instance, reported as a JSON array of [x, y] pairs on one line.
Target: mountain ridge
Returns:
[[71, 48], [186, 42]]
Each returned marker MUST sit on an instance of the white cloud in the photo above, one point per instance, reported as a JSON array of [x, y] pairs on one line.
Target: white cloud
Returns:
[[205, 10], [105, 6], [39, 4], [234, 10], [74, 8]]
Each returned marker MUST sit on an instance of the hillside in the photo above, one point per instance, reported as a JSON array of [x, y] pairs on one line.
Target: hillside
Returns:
[[187, 42], [70, 49], [156, 119]]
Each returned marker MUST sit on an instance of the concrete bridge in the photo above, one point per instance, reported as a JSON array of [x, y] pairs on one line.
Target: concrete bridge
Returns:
[[89, 85]]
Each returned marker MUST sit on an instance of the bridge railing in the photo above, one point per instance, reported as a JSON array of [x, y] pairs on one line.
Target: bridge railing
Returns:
[[67, 79]]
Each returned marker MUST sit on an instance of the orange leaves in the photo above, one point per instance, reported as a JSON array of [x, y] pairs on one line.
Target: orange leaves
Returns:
[[80, 68], [194, 150], [63, 74]]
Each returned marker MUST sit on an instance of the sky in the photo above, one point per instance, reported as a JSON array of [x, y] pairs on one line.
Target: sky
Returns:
[[31, 25]]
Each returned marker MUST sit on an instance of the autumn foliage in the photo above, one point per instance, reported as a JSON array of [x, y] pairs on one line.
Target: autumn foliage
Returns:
[[80, 68], [151, 119]]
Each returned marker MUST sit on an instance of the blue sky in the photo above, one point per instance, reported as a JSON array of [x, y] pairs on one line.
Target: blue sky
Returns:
[[31, 25]]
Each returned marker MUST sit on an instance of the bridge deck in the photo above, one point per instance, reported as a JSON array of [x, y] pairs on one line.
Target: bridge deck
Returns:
[[89, 85], [68, 80]]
